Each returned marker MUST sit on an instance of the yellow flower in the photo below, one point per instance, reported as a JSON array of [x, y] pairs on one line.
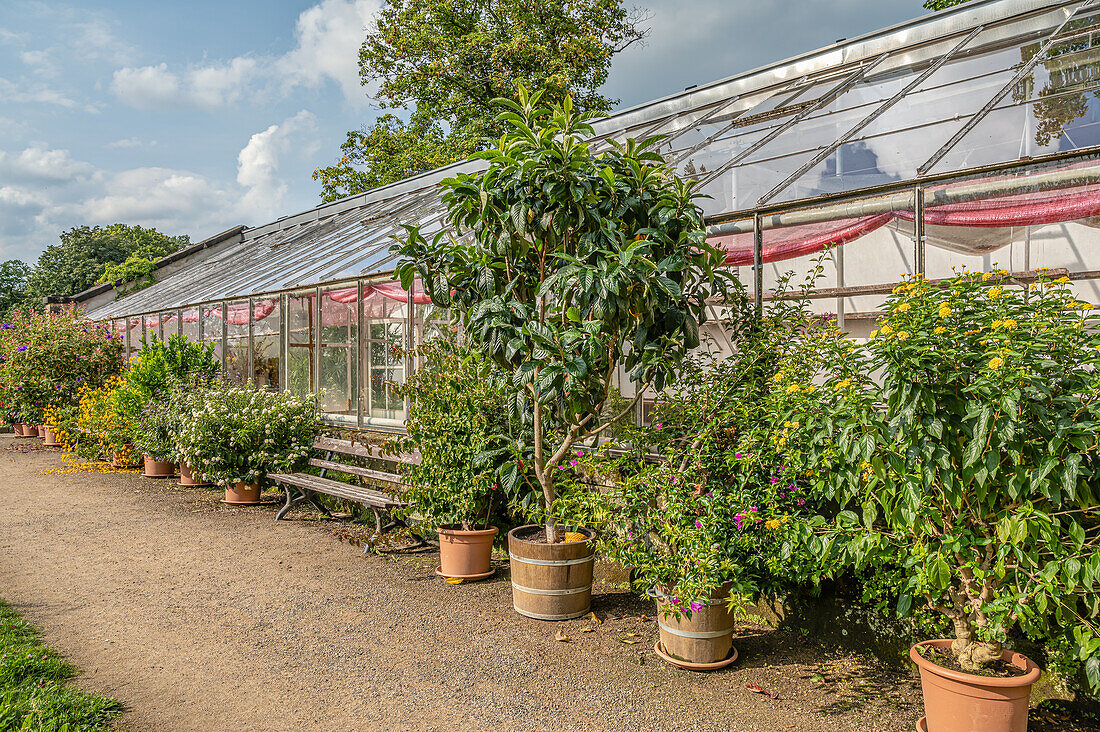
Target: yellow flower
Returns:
[[771, 524], [873, 334], [903, 307], [782, 441], [1009, 324], [1062, 280], [886, 329], [995, 363], [848, 382], [794, 424], [945, 310], [995, 292], [809, 390], [940, 330], [792, 388], [903, 335], [778, 376], [1086, 306], [1097, 348], [997, 323]]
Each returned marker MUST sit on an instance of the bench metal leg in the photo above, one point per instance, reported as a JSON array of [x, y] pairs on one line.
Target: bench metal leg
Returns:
[[293, 500]]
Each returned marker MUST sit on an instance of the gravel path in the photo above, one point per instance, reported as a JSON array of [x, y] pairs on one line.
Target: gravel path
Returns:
[[203, 617]]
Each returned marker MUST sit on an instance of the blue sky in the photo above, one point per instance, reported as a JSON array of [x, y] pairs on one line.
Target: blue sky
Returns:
[[196, 116]]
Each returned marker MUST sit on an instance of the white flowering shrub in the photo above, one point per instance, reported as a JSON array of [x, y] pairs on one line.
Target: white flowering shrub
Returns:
[[242, 433]]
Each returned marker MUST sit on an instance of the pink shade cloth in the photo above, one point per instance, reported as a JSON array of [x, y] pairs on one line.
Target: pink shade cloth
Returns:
[[392, 290], [1023, 209]]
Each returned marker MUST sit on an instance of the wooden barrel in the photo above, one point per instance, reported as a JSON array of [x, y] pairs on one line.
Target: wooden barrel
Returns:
[[704, 638], [550, 581]]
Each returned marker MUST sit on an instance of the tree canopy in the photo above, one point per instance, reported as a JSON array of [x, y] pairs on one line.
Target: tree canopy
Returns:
[[13, 276], [447, 61], [82, 257]]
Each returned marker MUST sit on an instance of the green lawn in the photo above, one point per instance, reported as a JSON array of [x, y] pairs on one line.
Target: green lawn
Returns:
[[33, 692]]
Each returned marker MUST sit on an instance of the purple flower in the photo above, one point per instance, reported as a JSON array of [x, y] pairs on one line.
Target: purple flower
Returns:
[[801, 501], [782, 494], [773, 480], [737, 455], [21, 348], [698, 525], [573, 463], [580, 453], [696, 607], [739, 519], [753, 508], [791, 487]]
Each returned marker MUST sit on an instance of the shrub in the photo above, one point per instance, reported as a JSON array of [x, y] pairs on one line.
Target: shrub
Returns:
[[457, 421], [970, 463], [102, 427], [46, 359], [234, 434]]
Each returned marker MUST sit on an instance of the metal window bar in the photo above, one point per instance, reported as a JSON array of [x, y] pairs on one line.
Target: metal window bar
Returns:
[[920, 79], [846, 84], [359, 368], [1023, 71]]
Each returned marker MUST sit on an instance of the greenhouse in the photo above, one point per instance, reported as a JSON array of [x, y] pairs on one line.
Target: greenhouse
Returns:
[[968, 137]]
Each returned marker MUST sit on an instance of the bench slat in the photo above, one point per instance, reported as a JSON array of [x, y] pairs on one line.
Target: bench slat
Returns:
[[337, 489], [347, 447], [356, 470]]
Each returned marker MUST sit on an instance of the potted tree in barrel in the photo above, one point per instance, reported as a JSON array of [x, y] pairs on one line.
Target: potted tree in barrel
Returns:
[[455, 419], [970, 466], [576, 264]]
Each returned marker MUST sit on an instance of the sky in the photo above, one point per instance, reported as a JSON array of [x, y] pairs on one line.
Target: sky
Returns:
[[193, 117]]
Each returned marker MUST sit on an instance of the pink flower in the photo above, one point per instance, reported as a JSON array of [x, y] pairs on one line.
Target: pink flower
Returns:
[[739, 519], [753, 508], [696, 607], [573, 463], [580, 453], [801, 501], [698, 525]]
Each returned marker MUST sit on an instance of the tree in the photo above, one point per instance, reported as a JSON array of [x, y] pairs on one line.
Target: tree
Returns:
[[449, 60], [83, 255], [13, 279], [578, 263], [942, 4]]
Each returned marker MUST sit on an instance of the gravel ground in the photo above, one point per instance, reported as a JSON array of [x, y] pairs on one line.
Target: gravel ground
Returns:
[[204, 617]]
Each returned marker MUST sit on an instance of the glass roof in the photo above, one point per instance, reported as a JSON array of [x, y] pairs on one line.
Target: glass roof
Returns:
[[983, 83]]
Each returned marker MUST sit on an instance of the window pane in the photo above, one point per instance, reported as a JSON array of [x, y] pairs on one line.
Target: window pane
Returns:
[[338, 374], [236, 342], [300, 333], [191, 327], [212, 317], [266, 332]]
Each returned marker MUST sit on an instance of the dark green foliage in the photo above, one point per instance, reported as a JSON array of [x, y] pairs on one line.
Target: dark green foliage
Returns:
[[447, 61], [941, 4], [33, 695], [81, 258], [13, 282]]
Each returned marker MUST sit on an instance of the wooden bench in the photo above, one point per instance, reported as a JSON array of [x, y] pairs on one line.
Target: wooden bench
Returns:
[[302, 487]]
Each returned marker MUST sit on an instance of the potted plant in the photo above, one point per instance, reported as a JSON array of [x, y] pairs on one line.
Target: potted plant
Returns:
[[968, 467], [456, 421], [159, 368], [577, 264], [233, 436]]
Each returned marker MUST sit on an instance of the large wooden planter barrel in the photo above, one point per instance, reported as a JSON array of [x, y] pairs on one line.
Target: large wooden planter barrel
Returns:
[[701, 642], [550, 581]]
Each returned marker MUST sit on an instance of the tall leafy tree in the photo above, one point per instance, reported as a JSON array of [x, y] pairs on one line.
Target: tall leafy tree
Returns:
[[447, 60], [578, 263], [81, 258], [13, 280], [941, 4]]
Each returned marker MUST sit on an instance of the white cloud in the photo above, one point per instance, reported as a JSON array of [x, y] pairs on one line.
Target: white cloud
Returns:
[[258, 163], [129, 142], [42, 62], [42, 164], [39, 94], [327, 37]]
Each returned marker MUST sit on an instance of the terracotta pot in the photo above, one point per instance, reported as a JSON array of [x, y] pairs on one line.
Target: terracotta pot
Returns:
[[30, 430], [551, 581], [466, 554], [955, 701], [702, 642], [50, 439], [158, 468], [242, 494], [41, 430], [19, 429], [118, 461], [187, 479]]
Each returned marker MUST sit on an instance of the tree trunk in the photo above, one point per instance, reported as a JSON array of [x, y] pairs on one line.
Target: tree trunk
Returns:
[[973, 655]]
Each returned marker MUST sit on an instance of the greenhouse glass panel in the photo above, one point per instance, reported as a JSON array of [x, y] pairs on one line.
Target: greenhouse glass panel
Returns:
[[133, 335], [385, 323], [118, 330], [300, 318], [191, 325], [339, 344], [237, 346], [266, 340], [213, 318], [169, 324], [1044, 217]]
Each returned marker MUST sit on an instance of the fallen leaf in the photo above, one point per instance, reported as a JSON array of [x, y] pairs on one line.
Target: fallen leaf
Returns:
[[587, 630], [593, 618], [817, 679], [561, 636], [631, 635], [455, 580], [629, 642], [757, 690]]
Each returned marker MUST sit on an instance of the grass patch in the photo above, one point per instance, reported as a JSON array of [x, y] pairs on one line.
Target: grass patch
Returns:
[[33, 692]]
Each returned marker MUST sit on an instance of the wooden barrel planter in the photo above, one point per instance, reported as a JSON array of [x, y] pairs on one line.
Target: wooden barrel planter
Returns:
[[702, 642], [157, 468], [550, 581], [187, 479]]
